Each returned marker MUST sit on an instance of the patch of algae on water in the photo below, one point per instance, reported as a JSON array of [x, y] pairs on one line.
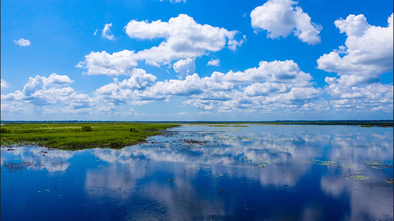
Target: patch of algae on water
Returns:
[[357, 177], [390, 181], [326, 163], [373, 163]]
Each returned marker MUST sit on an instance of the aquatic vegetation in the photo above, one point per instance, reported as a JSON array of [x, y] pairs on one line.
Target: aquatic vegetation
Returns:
[[326, 163], [373, 163], [379, 165], [74, 135], [390, 181], [357, 177]]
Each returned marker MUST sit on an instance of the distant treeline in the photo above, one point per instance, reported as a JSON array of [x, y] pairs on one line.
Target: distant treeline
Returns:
[[365, 123]]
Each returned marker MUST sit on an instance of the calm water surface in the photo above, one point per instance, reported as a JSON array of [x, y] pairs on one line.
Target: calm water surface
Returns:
[[208, 173]]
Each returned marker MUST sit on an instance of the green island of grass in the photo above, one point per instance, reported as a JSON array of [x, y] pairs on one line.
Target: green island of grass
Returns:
[[78, 135]]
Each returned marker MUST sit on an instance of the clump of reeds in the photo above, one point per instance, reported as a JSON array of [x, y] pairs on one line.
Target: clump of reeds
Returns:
[[132, 129], [86, 128]]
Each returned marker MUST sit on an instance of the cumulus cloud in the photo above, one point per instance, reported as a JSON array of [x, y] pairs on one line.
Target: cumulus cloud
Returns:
[[139, 80], [42, 91], [184, 38], [106, 33], [368, 52], [371, 97], [271, 86], [38, 83], [275, 71], [214, 62], [22, 42], [121, 92], [185, 67], [102, 63], [4, 84], [282, 17]]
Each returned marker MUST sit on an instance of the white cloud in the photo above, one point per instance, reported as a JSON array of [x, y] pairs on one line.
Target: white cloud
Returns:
[[185, 67], [368, 52], [4, 84], [42, 91], [39, 82], [281, 18], [372, 97], [102, 63], [278, 83], [95, 32], [106, 33], [192, 84], [275, 71], [139, 80], [214, 62], [121, 92], [177, 1], [22, 42], [184, 38], [273, 85]]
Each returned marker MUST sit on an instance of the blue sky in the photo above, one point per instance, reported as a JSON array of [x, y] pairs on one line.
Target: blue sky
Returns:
[[196, 60]]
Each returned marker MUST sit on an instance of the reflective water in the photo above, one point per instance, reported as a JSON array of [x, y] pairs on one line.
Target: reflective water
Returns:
[[208, 173]]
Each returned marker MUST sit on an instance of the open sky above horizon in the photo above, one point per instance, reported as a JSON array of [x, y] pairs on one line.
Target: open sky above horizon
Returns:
[[196, 60]]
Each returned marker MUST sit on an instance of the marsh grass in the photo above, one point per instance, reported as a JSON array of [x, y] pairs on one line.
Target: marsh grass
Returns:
[[78, 136]]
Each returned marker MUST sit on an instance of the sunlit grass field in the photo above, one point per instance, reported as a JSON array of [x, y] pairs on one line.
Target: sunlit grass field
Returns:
[[72, 136]]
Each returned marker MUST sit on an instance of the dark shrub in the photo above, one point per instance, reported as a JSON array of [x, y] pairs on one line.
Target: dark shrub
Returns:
[[5, 130], [132, 129], [115, 145], [86, 128]]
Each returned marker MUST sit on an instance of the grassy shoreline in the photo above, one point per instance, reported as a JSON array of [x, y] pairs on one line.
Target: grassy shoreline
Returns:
[[75, 136]]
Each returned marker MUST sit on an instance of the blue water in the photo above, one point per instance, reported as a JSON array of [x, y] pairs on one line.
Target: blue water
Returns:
[[208, 173]]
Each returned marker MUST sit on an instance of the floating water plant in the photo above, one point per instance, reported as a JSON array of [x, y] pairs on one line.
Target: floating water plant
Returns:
[[357, 177]]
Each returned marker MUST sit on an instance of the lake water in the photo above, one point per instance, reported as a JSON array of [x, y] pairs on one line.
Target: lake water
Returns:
[[259, 172]]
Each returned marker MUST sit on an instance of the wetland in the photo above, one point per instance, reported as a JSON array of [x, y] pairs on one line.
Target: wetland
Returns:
[[201, 172]]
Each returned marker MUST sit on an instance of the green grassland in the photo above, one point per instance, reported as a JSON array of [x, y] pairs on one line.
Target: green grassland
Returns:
[[78, 135]]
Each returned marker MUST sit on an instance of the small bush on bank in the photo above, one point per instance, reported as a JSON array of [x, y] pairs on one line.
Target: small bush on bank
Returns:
[[5, 130], [132, 129], [86, 128]]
